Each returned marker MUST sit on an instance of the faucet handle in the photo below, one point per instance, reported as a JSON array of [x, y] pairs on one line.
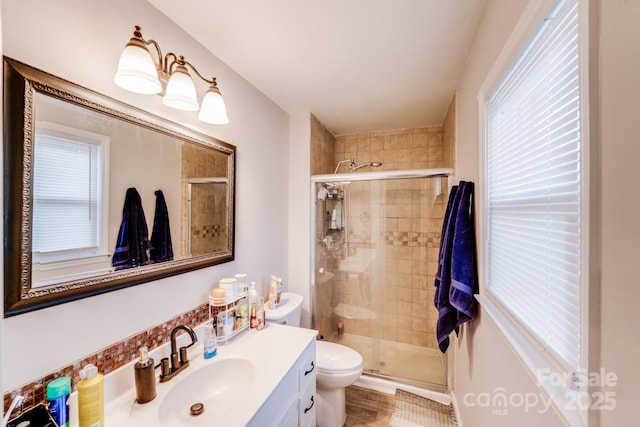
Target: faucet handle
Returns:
[[165, 369], [183, 354]]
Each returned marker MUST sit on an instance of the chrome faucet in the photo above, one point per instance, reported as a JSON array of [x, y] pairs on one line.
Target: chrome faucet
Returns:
[[178, 361]]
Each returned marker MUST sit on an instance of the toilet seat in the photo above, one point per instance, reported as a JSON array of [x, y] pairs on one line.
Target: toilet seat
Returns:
[[332, 358]]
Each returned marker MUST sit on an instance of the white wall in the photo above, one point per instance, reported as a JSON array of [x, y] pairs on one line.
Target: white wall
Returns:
[[299, 207], [81, 41], [619, 136], [484, 360]]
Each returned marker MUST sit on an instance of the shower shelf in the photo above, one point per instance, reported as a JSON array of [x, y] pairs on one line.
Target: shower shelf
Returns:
[[230, 307]]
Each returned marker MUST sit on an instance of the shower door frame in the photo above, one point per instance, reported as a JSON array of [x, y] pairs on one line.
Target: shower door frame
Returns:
[[366, 176]]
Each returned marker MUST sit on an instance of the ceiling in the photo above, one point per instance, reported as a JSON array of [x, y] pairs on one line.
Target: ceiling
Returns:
[[357, 65]]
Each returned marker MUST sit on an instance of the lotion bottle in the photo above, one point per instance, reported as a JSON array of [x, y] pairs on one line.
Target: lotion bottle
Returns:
[[209, 342], [90, 397], [253, 295]]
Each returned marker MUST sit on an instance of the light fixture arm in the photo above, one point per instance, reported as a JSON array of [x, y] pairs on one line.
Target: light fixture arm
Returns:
[[182, 61], [137, 38], [140, 72], [166, 63]]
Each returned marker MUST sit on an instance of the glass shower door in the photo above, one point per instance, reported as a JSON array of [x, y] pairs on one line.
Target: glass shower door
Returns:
[[375, 258]]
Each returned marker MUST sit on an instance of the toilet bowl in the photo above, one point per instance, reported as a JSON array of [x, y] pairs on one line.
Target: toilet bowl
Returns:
[[337, 366]]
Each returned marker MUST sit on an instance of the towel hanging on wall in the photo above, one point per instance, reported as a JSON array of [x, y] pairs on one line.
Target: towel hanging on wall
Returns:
[[456, 279], [161, 246], [133, 237]]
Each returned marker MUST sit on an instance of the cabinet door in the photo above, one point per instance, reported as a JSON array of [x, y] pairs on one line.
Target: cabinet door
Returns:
[[307, 407], [290, 417], [307, 367], [307, 387]]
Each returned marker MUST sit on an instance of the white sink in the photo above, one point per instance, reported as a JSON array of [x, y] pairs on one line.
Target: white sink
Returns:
[[219, 384]]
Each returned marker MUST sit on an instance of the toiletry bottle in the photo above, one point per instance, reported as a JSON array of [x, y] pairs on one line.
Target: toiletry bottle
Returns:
[[90, 397], [253, 294], [278, 291], [243, 286], [273, 293], [145, 377], [260, 313], [58, 392], [210, 346], [254, 317]]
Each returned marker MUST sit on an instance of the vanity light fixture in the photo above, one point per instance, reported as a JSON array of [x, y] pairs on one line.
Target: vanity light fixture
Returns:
[[170, 78]]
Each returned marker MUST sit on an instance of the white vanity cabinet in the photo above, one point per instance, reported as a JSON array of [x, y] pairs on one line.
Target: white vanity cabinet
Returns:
[[293, 402], [307, 387]]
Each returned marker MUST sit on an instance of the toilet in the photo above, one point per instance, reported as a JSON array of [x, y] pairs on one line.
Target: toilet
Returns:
[[337, 366]]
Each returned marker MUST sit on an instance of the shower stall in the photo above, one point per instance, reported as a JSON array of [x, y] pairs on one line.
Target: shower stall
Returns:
[[374, 251]]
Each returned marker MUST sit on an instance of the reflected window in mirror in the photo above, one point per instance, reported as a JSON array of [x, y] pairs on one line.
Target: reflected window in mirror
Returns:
[[70, 185]]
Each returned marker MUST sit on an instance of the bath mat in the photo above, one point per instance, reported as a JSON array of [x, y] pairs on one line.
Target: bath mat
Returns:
[[412, 410]]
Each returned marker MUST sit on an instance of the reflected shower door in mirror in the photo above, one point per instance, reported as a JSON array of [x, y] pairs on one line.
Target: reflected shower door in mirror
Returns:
[[206, 212], [98, 196]]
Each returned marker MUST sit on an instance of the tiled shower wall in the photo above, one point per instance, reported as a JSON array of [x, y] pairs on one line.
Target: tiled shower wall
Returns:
[[411, 215], [416, 148], [208, 218], [322, 148], [410, 218], [208, 228]]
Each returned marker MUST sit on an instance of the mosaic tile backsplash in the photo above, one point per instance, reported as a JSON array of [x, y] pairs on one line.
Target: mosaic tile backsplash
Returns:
[[107, 359]]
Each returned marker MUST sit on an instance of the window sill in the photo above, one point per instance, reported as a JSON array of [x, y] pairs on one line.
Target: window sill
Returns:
[[52, 271]]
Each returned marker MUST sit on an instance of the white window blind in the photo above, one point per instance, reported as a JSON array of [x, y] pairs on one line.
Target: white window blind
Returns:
[[66, 192], [534, 188]]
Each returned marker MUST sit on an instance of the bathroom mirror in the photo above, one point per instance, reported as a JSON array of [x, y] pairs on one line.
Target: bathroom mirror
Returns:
[[77, 166]]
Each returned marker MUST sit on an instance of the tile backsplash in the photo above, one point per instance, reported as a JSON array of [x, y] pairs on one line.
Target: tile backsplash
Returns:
[[108, 359]]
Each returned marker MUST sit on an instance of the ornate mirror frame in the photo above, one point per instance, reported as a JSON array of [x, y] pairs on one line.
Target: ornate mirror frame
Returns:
[[21, 83]]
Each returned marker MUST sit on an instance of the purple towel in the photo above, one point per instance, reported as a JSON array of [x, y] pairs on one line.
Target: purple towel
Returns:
[[161, 246], [456, 277], [133, 236], [464, 275]]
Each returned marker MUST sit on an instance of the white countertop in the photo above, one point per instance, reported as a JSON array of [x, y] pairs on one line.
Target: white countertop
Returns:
[[274, 349]]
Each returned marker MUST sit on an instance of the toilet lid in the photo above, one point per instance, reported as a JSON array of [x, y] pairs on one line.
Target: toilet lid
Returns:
[[332, 357], [289, 302]]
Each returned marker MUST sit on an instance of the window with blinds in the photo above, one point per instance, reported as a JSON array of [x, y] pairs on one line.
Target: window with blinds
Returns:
[[67, 188], [534, 188]]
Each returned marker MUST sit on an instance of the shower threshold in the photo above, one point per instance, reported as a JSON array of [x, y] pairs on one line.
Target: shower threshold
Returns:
[[389, 385], [410, 364]]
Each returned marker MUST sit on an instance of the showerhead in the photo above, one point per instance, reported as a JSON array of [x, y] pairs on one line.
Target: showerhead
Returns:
[[364, 165], [352, 165]]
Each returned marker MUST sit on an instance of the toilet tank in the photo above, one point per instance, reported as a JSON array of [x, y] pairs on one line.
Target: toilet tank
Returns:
[[288, 311]]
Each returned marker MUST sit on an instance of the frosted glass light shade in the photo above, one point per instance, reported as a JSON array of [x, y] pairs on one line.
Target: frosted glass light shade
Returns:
[[213, 109], [137, 71], [181, 92]]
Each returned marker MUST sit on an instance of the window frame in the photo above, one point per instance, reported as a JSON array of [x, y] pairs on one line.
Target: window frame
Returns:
[[54, 266], [566, 400]]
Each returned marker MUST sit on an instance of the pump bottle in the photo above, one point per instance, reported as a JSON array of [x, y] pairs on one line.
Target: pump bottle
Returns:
[[90, 397]]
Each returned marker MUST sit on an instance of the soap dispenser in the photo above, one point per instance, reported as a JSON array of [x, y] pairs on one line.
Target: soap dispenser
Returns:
[[145, 377]]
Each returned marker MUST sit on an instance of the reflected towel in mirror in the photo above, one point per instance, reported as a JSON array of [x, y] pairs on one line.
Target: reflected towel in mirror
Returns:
[[133, 237], [161, 247]]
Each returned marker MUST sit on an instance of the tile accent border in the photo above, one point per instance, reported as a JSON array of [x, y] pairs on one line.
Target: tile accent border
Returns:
[[107, 360]]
